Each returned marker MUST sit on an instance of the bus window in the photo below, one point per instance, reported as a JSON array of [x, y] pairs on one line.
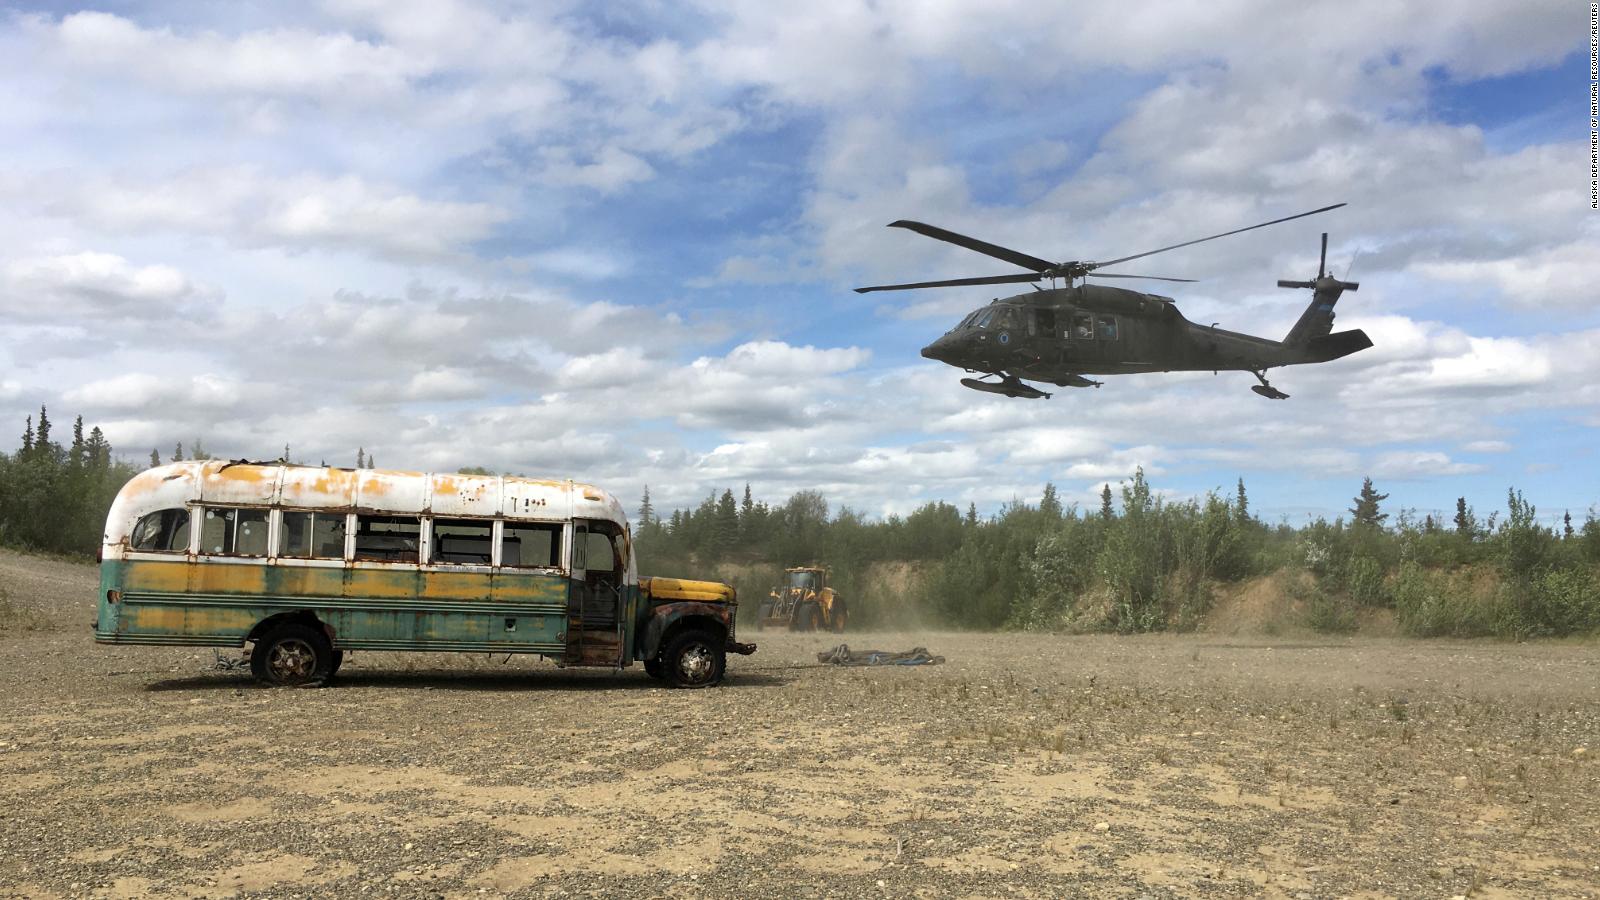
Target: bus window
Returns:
[[601, 556], [166, 531], [388, 538], [527, 545], [306, 535], [234, 532], [462, 542]]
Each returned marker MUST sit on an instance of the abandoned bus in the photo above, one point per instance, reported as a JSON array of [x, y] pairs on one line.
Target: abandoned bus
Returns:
[[307, 562]]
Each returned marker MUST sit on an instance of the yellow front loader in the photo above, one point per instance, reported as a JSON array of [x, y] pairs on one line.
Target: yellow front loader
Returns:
[[804, 602]]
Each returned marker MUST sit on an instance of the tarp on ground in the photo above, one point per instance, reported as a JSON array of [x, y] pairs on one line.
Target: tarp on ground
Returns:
[[842, 655]]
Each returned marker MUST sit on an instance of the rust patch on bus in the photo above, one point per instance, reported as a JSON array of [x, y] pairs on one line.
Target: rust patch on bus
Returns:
[[189, 620], [161, 577], [228, 579], [248, 474]]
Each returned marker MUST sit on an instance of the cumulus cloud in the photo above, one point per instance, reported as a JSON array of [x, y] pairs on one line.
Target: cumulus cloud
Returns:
[[144, 391], [468, 150], [1402, 464], [250, 207], [97, 285], [277, 61]]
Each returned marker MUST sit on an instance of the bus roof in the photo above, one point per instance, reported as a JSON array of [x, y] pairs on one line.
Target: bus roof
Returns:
[[363, 490]]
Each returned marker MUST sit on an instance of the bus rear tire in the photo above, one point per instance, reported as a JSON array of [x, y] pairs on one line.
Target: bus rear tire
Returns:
[[292, 655], [693, 659]]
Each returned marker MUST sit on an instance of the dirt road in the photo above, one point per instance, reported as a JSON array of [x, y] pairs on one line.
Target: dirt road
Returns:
[[1031, 766]]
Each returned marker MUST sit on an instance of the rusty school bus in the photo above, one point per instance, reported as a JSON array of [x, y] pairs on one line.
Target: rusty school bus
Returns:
[[307, 562]]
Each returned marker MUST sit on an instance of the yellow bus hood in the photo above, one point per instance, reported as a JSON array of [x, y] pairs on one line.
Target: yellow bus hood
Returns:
[[684, 589]]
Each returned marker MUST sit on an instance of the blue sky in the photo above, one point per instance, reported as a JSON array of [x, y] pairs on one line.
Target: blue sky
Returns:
[[617, 242]]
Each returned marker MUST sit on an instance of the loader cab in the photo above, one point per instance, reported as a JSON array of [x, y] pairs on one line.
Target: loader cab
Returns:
[[806, 581]]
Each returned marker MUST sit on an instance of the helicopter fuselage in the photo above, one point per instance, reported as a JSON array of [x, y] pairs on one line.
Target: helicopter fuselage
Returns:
[[1054, 335]]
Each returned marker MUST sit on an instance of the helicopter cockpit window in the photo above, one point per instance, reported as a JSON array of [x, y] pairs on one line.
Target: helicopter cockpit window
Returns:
[[1108, 327], [1004, 318], [983, 318], [1083, 326]]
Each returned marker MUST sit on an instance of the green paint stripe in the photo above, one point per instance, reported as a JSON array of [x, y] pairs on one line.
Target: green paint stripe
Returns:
[[186, 640], [222, 640], [451, 646]]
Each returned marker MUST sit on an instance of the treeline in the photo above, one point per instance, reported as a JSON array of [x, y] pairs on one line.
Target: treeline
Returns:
[[1142, 564], [53, 495], [1148, 564]]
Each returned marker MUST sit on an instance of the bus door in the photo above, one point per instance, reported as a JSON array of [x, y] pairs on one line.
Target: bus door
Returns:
[[594, 599]]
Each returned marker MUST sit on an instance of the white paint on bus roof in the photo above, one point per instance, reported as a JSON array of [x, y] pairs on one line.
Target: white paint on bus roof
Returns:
[[218, 482]]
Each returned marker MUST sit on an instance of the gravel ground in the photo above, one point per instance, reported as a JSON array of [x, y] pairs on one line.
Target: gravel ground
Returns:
[[1033, 766]]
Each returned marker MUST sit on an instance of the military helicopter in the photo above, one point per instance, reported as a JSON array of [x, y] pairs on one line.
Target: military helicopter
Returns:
[[1064, 333]]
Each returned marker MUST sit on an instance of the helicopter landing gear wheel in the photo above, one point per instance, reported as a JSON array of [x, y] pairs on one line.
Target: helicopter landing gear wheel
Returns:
[[1264, 389]]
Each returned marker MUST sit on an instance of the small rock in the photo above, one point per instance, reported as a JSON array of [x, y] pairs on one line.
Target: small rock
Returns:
[[1102, 826]]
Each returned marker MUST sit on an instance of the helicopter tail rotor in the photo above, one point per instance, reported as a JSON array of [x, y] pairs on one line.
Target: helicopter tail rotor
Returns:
[[1323, 279], [1316, 323]]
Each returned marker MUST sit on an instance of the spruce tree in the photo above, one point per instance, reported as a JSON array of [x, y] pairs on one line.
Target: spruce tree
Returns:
[[98, 450], [1106, 511], [1050, 504], [1466, 522], [27, 440], [177, 452], [1243, 510], [647, 512], [75, 456], [155, 457], [361, 462], [1365, 511], [1566, 525], [972, 515], [725, 525], [41, 439]]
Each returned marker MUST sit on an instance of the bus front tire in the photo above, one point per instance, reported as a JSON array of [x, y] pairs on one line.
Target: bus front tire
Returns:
[[292, 655], [652, 667], [693, 659]]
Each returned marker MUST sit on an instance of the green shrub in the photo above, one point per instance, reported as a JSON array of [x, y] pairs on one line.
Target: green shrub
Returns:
[[1562, 602], [1432, 603]]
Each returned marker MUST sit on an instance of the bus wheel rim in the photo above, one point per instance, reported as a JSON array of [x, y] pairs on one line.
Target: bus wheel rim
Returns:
[[696, 663], [291, 659]]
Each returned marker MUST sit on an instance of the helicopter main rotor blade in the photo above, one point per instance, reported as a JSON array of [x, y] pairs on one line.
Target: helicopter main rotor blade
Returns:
[[1146, 277], [1112, 262], [987, 249], [955, 282]]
